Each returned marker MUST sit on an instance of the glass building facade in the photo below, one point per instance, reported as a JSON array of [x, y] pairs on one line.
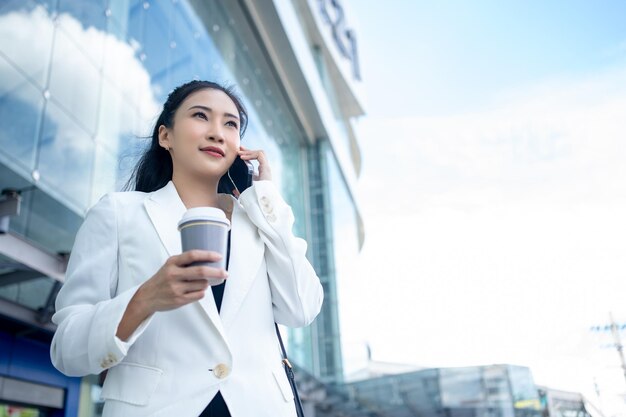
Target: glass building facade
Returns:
[[482, 391], [81, 84]]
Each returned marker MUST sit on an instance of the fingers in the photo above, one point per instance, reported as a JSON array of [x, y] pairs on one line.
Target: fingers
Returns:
[[177, 284], [247, 154], [195, 255], [194, 286], [264, 166], [183, 272], [202, 272], [194, 296]]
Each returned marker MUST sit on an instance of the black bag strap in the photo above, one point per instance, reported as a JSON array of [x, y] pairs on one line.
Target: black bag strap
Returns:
[[290, 374]]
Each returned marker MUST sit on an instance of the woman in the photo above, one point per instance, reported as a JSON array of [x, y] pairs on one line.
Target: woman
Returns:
[[132, 306]]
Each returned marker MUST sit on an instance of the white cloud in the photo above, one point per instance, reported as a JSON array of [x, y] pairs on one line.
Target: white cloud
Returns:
[[75, 77], [496, 236], [124, 104]]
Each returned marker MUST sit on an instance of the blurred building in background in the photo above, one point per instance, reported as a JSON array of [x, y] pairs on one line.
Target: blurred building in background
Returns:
[[480, 391], [557, 403], [81, 83]]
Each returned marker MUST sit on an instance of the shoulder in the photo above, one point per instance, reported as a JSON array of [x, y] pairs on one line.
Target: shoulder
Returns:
[[127, 197], [118, 200]]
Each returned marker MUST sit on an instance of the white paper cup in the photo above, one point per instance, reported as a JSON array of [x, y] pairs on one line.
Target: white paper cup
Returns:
[[205, 228]]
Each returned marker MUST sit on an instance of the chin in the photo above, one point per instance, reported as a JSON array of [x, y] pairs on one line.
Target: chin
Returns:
[[209, 173]]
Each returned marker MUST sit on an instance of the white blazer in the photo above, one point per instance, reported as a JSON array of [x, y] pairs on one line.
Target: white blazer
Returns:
[[176, 361]]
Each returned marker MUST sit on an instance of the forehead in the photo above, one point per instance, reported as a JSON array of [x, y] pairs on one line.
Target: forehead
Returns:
[[216, 100]]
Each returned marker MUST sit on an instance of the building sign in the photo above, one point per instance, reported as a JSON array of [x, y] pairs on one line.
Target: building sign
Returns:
[[344, 37]]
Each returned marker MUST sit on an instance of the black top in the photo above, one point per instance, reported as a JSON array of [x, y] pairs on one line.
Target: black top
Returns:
[[218, 290]]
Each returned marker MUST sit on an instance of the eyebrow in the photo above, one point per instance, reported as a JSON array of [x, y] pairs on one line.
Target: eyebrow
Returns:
[[210, 110]]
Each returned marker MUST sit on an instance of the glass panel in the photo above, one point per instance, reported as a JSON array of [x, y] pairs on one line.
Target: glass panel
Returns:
[[496, 384], [32, 293], [11, 179], [26, 30], [525, 394], [50, 223], [497, 391], [151, 34], [294, 184], [23, 285], [128, 158], [119, 61], [74, 82], [88, 13], [117, 117], [84, 22], [21, 105], [205, 28], [344, 220], [421, 391], [65, 158], [123, 132], [181, 47], [342, 217], [342, 141], [461, 388], [136, 83], [117, 18], [127, 84], [8, 6], [105, 173]]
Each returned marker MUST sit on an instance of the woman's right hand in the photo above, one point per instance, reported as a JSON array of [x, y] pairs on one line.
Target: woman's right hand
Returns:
[[173, 286], [177, 284]]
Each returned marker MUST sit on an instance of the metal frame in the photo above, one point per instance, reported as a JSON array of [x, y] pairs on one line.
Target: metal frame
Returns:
[[30, 262], [24, 315], [25, 253]]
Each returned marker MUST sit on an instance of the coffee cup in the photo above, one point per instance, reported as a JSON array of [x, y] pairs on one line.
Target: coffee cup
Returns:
[[205, 228]]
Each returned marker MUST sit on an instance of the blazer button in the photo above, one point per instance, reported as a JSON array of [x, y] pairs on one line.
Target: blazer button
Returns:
[[271, 218], [108, 361], [265, 202], [221, 371]]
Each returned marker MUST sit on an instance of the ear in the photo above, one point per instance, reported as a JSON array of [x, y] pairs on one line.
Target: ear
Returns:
[[164, 139]]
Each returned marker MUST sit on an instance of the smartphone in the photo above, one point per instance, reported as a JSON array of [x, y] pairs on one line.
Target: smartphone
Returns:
[[238, 177]]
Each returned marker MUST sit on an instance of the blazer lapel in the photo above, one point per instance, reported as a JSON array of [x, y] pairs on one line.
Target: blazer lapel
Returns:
[[246, 255], [165, 209]]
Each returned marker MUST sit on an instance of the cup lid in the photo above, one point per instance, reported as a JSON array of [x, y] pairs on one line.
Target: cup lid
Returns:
[[204, 213]]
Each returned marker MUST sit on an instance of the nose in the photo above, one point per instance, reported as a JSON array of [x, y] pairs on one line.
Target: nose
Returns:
[[215, 133]]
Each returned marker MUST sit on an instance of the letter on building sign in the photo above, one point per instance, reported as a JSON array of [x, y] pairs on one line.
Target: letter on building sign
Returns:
[[344, 38]]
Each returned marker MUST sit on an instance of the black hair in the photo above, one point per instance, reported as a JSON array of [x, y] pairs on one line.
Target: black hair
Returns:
[[154, 169]]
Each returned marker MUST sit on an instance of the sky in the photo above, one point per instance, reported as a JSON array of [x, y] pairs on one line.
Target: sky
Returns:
[[492, 189]]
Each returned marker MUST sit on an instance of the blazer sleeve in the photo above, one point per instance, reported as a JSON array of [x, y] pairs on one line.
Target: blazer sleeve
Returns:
[[297, 293], [87, 310]]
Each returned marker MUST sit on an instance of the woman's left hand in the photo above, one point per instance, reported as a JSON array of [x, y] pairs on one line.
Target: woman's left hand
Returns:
[[265, 172]]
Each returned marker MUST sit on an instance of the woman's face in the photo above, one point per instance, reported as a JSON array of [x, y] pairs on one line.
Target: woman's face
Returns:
[[204, 139]]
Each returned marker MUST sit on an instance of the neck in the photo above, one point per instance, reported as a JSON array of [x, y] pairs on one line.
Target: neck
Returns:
[[196, 192]]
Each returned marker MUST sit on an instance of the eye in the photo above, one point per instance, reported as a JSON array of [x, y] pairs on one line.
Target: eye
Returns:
[[201, 115], [232, 123]]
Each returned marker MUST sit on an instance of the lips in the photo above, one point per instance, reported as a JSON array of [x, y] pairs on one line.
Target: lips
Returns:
[[213, 151]]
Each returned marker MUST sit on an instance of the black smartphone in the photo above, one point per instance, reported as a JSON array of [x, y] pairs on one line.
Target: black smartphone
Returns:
[[238, 177]]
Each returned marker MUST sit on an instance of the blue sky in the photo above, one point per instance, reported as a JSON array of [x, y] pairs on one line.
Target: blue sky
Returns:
[[492, 188], [452, 56]]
